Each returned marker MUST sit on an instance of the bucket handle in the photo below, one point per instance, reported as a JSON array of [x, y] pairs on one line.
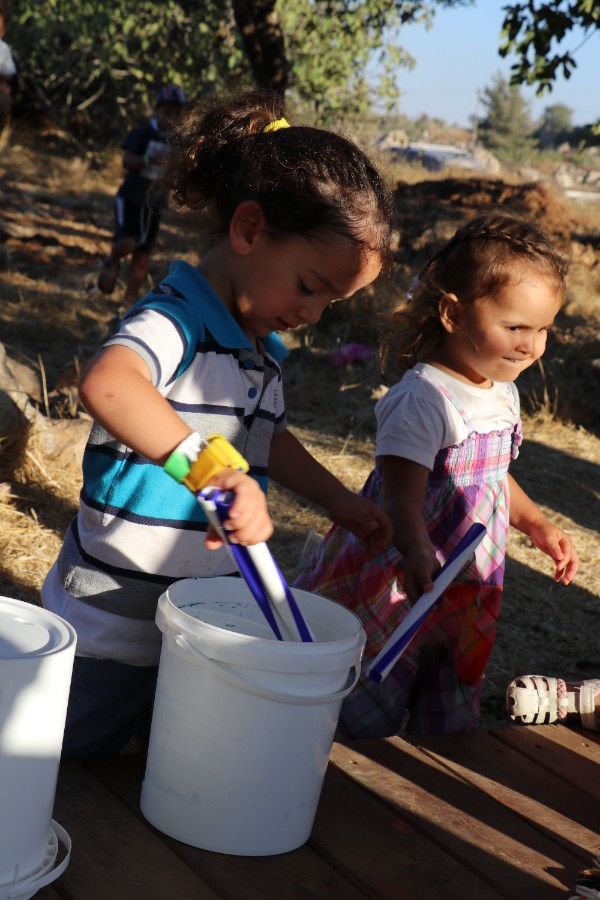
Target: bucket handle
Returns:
[[260, 691], [24, 889]]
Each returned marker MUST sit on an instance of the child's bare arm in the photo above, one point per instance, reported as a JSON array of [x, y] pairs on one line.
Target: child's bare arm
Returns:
[[291, 465], [404, 484], [549, 538], [116, 390], [132, 161]]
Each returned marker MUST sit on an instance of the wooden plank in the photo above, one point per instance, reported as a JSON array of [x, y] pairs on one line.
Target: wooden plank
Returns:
[[287, 876], [384, 853], [113, 855], [489, 839], [563, 812], [573, 755], [297, 875]]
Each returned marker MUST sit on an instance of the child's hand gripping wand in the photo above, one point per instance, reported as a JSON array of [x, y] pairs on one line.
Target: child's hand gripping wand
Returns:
[[255, 563], [395, 646]]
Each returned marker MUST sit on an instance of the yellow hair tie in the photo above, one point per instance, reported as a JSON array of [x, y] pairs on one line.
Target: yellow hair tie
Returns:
[[276, 125]]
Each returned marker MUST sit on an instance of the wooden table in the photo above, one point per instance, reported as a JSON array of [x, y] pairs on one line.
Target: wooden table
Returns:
[[513, 813]]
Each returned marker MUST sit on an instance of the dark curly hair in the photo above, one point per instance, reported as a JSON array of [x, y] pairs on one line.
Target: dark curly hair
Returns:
[[307, 181], [486, 254]]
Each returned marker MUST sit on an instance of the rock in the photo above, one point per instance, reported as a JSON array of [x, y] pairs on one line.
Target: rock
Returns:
[[11, 416], [58, 440], [528, 173], [52, 439], [19, 380], [563, 177], [26, 379], [591, 178], [393, 139], [488, 162]]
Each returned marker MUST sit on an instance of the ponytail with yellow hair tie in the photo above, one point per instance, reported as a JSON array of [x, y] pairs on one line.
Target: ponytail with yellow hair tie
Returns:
[[276, 125]]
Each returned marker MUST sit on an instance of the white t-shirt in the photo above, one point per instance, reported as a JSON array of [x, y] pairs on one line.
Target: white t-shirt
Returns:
[[415, 419], [7, 63]]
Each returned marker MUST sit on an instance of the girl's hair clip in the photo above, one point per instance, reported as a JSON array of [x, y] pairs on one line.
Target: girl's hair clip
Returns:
[[276, 125]]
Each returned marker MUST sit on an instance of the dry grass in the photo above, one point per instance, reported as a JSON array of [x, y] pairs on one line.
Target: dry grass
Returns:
[[57, 218]]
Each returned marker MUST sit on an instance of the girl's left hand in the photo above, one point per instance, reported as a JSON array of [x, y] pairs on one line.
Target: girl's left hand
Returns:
[[364, 519], [557, 544]]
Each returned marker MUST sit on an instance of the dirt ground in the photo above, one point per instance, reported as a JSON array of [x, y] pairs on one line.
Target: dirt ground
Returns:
[[55, 225]]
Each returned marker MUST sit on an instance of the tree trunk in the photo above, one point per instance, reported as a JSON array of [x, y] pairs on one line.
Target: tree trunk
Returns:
[[264, 44]]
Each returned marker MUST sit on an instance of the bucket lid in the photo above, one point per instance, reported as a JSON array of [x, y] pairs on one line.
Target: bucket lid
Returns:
[[29, 631]]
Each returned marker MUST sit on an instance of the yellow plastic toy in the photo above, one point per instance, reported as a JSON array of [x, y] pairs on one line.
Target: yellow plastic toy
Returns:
[[218, 454]]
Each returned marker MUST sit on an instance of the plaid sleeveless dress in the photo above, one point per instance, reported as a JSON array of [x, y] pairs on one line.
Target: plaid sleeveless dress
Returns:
[[435, 687]]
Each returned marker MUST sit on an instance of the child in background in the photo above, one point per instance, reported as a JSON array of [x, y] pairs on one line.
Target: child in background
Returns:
[[8, 69], [301, 219], [476, 317], [139, 203]]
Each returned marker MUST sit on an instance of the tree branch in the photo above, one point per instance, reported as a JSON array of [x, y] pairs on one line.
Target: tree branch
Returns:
[[263, 40]]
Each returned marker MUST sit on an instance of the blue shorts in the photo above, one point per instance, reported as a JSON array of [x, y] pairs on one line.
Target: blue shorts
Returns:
[[109, 703], [137, 221]]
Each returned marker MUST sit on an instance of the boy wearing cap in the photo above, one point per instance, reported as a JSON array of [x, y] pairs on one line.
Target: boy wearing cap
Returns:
[[138, 203]]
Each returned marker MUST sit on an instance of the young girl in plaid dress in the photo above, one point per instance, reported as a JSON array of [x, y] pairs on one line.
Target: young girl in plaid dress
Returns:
[[476, 316]]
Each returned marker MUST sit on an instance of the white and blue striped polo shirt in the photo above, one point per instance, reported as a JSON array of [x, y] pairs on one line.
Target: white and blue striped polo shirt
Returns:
[[137, 530]]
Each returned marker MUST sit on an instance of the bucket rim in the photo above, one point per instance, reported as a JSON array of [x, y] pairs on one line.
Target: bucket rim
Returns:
[[179, 617], [47, 871]]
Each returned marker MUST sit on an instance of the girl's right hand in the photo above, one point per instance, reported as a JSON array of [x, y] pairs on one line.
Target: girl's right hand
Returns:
[[420, 565], [249, 521]]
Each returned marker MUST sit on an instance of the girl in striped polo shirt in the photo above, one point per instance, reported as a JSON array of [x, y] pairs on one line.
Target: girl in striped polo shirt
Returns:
[[299, 218]]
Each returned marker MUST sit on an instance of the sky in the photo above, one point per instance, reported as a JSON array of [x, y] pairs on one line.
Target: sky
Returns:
[[459, 56]]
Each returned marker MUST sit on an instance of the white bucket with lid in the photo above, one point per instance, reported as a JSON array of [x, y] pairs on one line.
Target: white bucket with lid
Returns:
[[37, 649], [243, 724]]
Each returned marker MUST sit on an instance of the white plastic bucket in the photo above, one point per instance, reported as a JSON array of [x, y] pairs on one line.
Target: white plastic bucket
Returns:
[[37, 649], [243, 724]]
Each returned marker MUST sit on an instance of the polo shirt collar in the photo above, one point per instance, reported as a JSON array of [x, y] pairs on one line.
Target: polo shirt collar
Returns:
[[211, 312]]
